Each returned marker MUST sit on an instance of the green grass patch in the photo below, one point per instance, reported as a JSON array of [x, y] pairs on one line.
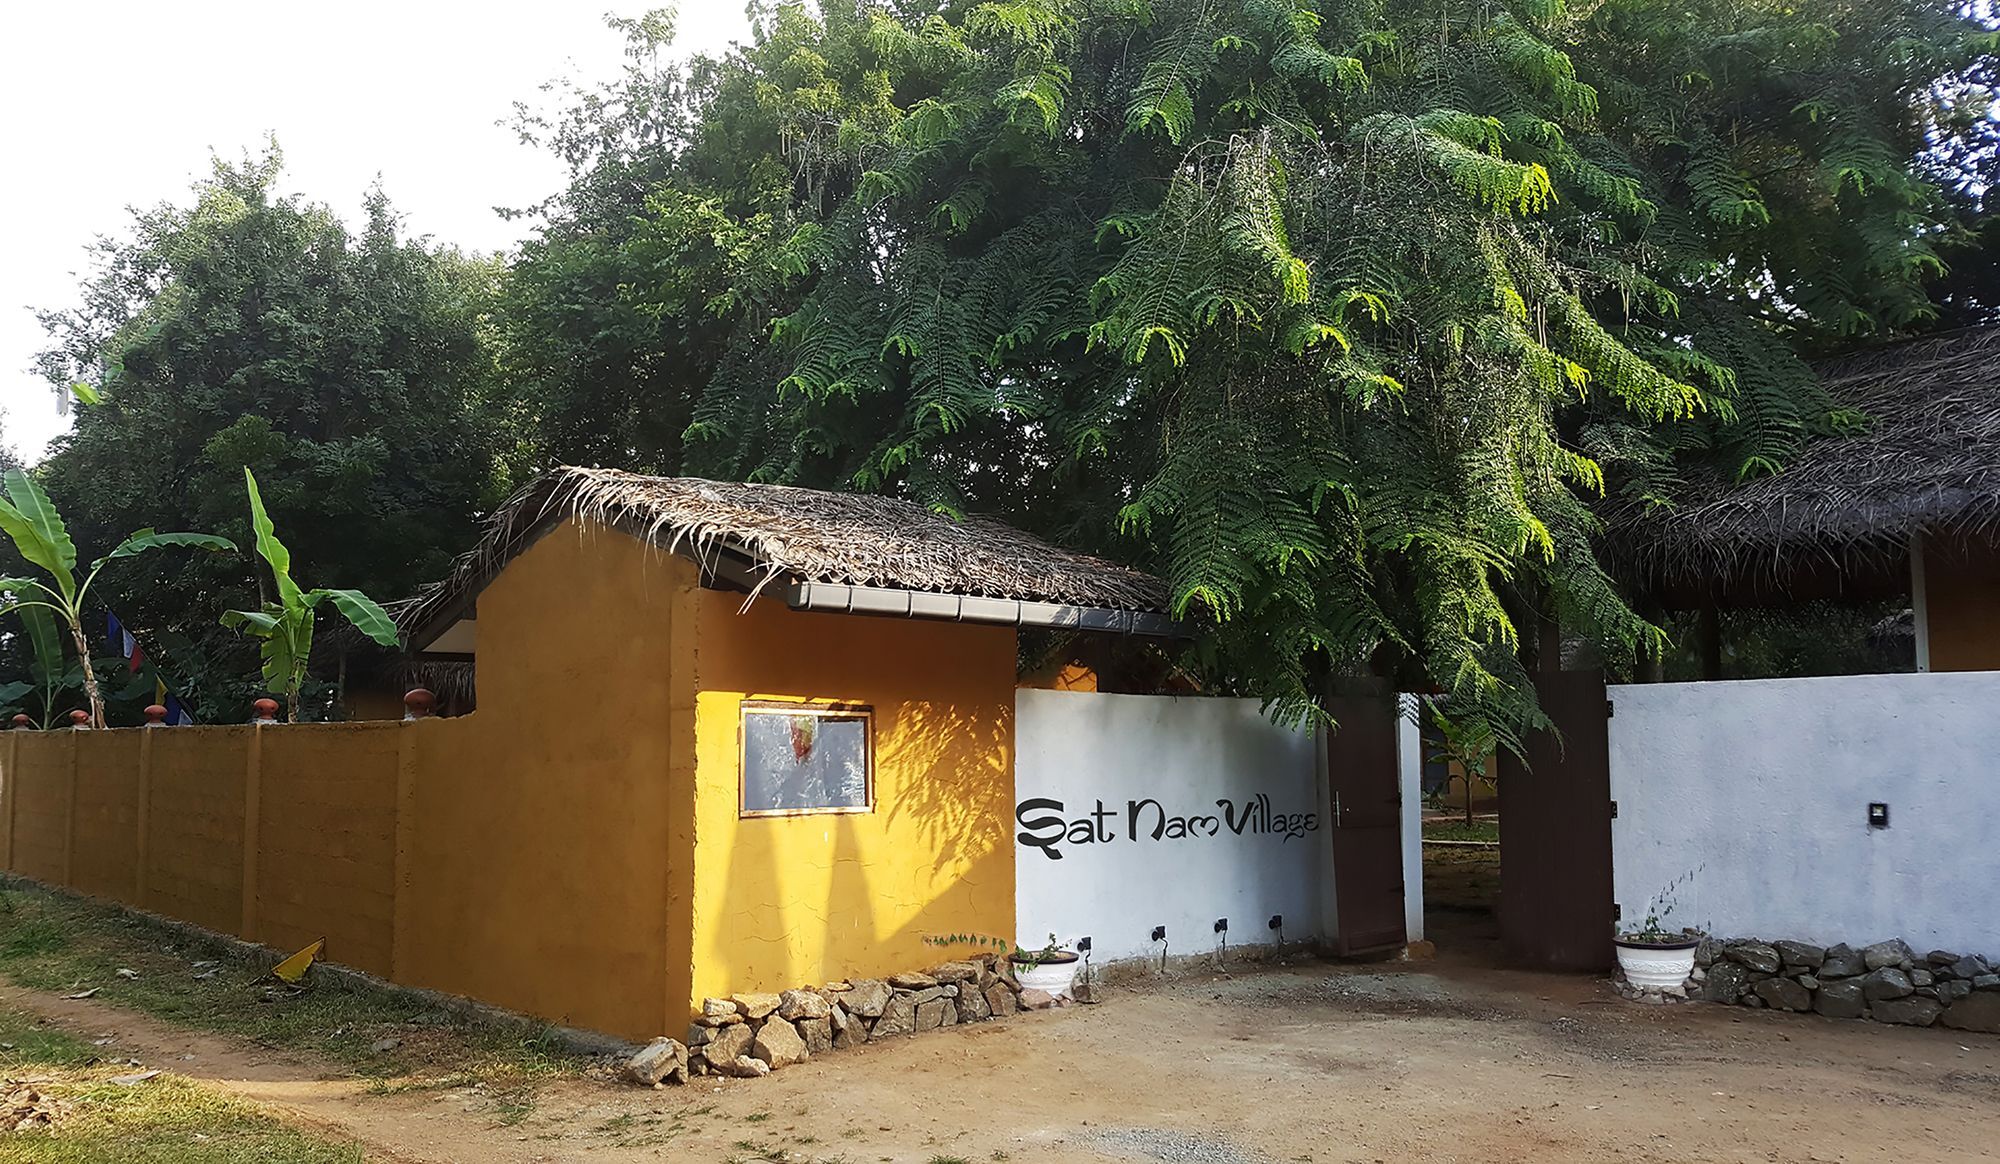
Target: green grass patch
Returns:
[[59, 944], [1458, 830], [164, 1120]]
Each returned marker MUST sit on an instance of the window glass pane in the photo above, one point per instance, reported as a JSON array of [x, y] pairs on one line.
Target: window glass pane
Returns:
[[794, 763]]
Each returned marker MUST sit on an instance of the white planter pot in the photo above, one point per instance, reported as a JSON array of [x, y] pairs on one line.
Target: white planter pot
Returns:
[[1657, 967], [1054, 977]]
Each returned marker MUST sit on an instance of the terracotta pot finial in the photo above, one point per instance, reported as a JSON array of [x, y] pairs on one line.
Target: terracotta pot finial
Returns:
[[419, 703]]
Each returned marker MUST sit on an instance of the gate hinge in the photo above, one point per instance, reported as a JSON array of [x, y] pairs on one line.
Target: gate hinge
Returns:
[[1610, 708], [1617, 912], [1614, 810]]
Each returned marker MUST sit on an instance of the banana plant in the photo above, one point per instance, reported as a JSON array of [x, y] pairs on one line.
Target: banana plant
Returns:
[[40, 536], [286, 626], [48, 673]]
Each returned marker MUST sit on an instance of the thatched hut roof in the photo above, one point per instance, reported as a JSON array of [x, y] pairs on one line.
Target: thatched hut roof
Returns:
[[1929, 462], [757, 536]]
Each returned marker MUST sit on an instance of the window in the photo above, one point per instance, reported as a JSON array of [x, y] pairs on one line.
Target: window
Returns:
[[801, 758]]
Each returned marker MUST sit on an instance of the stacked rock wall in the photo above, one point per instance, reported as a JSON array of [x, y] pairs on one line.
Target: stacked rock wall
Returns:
[[1887, 982], [748, 1035]]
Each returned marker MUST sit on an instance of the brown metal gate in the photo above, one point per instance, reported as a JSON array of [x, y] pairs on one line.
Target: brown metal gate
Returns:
[[1366, 799], [1555, 832]]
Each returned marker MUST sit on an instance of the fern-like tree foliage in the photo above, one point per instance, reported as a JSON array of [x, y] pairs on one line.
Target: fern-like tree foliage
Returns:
[[1346, 316]]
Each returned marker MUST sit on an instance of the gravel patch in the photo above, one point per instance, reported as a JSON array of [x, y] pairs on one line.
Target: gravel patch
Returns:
[[1173, 1147]]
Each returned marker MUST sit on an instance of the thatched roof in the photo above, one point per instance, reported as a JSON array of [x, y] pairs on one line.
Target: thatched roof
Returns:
[[778, 534], [1928, 462]]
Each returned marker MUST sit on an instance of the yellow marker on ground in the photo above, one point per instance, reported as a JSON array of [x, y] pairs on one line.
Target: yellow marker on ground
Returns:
[[294, 968]]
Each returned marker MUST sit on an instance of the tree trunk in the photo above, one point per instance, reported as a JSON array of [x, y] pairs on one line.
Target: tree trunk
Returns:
[[90, 690], [1468, 798]]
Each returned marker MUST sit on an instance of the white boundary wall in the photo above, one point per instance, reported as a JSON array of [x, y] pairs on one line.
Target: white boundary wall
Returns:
[[1234, 798], [1762, 787]]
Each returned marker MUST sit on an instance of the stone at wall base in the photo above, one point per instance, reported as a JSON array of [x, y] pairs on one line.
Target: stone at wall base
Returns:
[[794, 1005], [1912, 1012], [1784, 994], [935, 1013], [867, 997], [1975, 1012], [899, 1017], [1799, 956], [1756, 955], [972, 1005], [1886, 983], [1420, 951], [1037, 1000], [755, 1006], [1725, 983], [743, 1067], [728, 1043], [1894, 952], [661, 1061], [1842, 961], [778, 1044], [817, 1034], [1001, 1001], [1840, 1000]]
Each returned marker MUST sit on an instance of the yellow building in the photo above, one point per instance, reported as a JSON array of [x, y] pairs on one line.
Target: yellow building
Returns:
[[730, 737]]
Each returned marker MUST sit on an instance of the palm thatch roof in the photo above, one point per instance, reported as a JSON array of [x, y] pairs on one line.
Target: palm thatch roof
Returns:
[[1928, 462], [754, 536]]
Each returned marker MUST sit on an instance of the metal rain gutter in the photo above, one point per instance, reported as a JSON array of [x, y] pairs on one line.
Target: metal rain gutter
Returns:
[[838, 598]]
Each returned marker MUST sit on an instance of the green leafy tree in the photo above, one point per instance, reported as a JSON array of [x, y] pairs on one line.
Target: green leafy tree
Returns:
[[1348, 317], [40, 536], [1466, 740], [353, 370], [285, 626]]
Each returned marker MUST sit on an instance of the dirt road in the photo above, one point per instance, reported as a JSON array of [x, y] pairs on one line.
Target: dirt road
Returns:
[[1441, 1062]]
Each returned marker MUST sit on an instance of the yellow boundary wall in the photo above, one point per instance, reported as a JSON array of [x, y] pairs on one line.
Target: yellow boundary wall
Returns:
[[572, 850]]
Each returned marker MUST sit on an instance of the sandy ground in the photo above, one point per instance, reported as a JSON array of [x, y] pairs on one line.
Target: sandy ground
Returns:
[[1452, 1060]]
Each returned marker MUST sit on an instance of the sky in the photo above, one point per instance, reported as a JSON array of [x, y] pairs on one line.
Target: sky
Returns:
[[110, 105]]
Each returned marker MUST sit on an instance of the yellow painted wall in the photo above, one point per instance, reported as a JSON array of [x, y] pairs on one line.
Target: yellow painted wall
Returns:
[[1962, 593], [326, 839], [38, 812], [793, 901], [105, 849], [195, 824], [540, 863]]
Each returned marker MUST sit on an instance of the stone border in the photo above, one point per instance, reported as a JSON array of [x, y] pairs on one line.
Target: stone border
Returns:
[[1886, 982], [754, 1034], [572, 1039]]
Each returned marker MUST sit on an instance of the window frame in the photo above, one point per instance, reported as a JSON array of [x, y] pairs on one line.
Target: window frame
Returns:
[[821, 709]]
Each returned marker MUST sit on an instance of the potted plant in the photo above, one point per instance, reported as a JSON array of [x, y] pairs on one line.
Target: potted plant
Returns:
[[1653, 956], [1051, 968]]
